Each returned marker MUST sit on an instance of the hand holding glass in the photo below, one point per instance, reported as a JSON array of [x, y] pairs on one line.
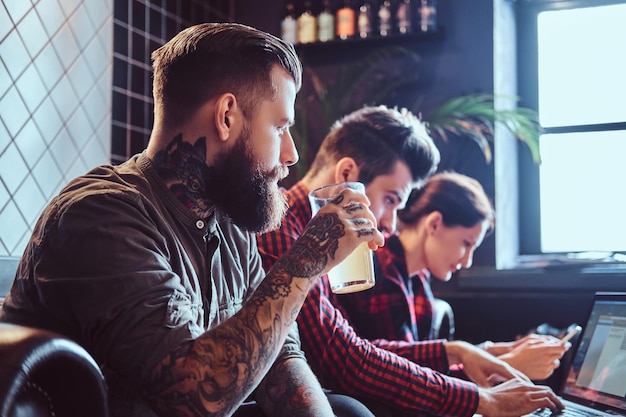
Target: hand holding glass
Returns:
[[356, 272]]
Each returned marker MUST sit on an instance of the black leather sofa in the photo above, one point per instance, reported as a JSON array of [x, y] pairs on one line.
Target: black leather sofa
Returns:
[[43, 374]]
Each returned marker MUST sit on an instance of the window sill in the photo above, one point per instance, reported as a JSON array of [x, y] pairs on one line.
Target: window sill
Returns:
[[598, 277]]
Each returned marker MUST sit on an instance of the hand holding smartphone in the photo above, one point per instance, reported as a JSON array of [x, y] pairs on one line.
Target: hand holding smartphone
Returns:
[[571, 334]]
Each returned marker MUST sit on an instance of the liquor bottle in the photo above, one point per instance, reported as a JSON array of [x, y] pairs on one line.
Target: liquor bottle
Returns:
[[427, 15], [326, 23], [289, 24], [384, 19], [365, 20], [307, 25], [404, 16], [346, 21]]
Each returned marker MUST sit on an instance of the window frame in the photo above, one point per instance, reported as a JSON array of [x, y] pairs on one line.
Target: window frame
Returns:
[[527, 11]]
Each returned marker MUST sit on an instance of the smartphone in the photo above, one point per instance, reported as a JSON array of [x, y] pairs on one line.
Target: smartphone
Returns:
[[571, 334]]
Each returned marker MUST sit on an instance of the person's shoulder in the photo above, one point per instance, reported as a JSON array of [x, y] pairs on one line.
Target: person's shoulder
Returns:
[[102, 183]]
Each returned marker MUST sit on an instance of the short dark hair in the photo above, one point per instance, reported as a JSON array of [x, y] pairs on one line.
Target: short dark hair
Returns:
[[377, 137], [460, 199], [209, 59]]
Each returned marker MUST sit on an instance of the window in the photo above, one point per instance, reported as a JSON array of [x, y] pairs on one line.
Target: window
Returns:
[[572, 70]]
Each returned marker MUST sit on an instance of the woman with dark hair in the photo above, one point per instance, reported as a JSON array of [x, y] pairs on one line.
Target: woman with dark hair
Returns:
[[442, 224]]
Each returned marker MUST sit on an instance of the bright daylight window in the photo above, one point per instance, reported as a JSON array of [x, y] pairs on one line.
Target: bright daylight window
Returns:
[[581, 100]]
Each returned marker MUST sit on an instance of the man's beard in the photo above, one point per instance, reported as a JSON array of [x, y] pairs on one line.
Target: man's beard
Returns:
[[247, 194]]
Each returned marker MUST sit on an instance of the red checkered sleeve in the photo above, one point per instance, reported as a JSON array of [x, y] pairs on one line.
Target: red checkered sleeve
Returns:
[[395, 372], [346, 363]]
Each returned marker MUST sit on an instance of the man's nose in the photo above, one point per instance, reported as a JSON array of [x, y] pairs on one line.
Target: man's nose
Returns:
[[388, 222], [288, 152]]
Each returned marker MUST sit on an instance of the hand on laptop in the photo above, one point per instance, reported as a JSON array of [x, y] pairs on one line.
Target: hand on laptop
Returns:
[[516, 397], [504, 390]]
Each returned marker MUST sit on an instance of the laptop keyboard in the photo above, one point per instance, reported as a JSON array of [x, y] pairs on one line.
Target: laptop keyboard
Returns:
[[567, 412]]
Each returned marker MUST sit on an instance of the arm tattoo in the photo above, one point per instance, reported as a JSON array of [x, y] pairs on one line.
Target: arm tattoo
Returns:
[[291, 389], [309, 254], [212, 375], [307, 258]]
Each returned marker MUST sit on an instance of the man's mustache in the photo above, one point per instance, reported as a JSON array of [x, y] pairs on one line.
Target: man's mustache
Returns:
[[280, 173]]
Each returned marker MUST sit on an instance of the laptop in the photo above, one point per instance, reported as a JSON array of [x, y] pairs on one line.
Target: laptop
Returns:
[[596, 379]]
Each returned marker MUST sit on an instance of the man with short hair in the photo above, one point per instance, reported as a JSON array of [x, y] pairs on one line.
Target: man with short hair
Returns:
[[389, 150], [152, 265]]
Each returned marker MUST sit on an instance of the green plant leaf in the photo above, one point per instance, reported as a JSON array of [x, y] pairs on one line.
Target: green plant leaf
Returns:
[[475, 116]]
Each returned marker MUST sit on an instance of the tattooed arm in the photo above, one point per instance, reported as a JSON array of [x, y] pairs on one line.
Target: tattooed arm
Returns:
[[212, 375], [290, 389]]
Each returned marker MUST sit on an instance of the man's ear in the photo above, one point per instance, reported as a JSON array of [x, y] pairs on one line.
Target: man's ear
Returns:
[[346, 169], [225, 115]]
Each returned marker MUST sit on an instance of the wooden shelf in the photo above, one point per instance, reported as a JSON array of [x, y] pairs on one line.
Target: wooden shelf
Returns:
[[341, 49]]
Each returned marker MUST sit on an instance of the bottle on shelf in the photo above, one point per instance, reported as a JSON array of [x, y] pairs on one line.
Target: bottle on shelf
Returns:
[[365, 20], [326, 23], [307, 25], [404, 17], [289, 24], [427, 15], [385, 23], [346, 20]]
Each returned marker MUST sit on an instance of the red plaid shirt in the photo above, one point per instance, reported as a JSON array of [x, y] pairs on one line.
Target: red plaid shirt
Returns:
[[398, 307], [382, 370]]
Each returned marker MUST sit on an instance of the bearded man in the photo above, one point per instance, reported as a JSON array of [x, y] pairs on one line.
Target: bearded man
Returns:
[[152, 265]]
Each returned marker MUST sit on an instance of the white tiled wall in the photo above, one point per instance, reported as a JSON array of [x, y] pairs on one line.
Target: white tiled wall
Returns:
[[55, 104]]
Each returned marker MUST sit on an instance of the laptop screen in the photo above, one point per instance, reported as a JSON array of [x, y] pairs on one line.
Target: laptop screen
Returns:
[[597, 376]]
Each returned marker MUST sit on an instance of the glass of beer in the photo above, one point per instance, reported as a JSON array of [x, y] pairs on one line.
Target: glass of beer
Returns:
[[356, 272]]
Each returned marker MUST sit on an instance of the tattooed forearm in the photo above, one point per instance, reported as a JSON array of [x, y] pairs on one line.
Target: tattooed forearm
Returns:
[[308, 255], [214, 374], [290, 389], [277, 285]]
